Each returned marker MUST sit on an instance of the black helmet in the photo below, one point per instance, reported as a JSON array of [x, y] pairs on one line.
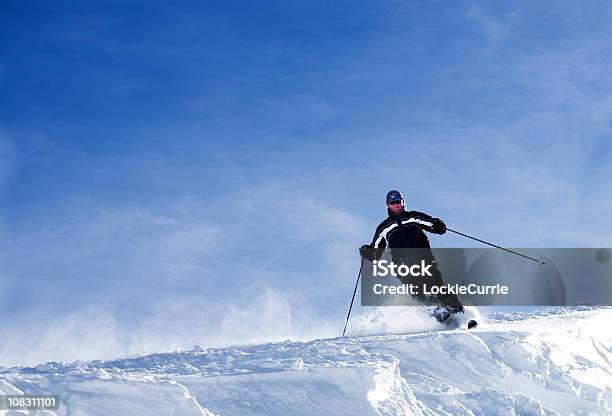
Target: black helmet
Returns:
[[394, 196]]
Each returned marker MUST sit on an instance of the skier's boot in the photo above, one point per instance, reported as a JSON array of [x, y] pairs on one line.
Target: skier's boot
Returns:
[[442, 313]]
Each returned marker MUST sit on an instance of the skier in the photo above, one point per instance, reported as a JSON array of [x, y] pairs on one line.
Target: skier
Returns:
[[405, 230]]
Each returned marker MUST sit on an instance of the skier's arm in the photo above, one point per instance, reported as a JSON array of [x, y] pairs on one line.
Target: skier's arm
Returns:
[[374, 250], [429, 223], [379, 244]]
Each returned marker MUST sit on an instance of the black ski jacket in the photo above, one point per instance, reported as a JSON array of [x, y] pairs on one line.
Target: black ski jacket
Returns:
[[403, 230]]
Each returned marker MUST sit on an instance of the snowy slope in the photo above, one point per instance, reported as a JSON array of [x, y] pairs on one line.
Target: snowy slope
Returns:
[[529, 364]]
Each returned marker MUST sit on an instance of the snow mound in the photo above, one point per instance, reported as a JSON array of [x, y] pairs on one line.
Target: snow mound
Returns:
[[529, 364]]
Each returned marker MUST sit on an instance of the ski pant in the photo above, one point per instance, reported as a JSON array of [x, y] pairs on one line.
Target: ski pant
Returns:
[[427, 283]]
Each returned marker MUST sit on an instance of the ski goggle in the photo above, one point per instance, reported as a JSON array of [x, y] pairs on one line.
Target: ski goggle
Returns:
[[395, 202]]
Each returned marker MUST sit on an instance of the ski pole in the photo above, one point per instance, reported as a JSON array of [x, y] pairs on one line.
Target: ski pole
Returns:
[[353, 299], [496, 246]]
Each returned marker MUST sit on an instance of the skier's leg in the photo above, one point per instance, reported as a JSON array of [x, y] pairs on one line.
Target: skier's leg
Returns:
[[450, 301], [420, 296]]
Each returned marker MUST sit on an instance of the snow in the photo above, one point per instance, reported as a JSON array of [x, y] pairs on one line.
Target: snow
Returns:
[[556, 362]]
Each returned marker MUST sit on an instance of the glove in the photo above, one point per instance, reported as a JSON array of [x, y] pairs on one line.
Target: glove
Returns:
[[438, 226], [367, 251]]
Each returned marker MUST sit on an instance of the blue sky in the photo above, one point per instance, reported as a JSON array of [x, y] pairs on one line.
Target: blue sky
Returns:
[[204, 172]]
